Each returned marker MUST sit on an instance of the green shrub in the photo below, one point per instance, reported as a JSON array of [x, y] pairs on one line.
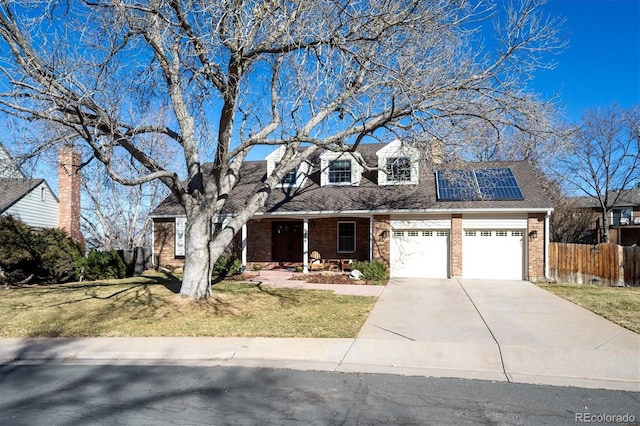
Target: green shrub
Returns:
[[59, 255], [44, 256], [226, 265], [102, 265], [372, 271]]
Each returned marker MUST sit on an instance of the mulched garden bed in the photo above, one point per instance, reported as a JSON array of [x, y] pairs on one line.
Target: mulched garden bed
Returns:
[[332, 278]]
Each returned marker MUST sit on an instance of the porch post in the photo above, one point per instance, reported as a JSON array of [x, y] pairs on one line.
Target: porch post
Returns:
[[371, 242], [305, 245], [244, 247]]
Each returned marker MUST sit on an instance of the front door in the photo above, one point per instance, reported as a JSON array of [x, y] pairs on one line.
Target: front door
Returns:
[[287, 241]]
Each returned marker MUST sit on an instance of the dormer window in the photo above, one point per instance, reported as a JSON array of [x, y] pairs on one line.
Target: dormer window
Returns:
[[340, 171], [398, 169], [295, 178], [398, 164], [290, 178], [340, 168]]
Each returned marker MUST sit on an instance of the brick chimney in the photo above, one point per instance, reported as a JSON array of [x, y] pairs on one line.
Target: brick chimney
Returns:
[[69, 193], [436, 151]]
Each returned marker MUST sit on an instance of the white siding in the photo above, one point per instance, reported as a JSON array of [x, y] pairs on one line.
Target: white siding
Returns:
[[35, 211], [303, 170], [495, 222], [441, 222], [328, 156], [397, 149]]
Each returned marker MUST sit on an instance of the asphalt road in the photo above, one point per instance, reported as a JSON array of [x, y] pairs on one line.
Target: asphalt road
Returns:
[[182, 395]]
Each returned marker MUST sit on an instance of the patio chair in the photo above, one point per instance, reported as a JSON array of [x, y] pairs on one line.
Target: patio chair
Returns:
[[317, 262]]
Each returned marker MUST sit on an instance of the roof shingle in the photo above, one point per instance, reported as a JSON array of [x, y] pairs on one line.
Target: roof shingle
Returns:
[[369, 196]]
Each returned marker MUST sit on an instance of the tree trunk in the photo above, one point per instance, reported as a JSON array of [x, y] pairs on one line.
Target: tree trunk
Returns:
[[605, 226], [196, 281], [201, 252]]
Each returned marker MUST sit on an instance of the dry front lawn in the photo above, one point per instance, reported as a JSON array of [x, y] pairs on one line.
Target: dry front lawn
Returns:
[[150, 306], [617, 304]]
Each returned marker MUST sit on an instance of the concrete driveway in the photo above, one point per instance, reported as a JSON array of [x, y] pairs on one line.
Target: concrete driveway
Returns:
[[497, 330]]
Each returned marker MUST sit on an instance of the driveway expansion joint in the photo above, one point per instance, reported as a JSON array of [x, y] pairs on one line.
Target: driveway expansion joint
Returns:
[[504, 370], [393, 332], [605, 341]]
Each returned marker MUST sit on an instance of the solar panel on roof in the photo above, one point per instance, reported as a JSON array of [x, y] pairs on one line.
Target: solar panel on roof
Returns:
[[498, 184], [474, 185], [456, 185]]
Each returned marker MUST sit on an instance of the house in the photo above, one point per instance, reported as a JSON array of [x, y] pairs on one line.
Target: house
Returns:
[[33, 202], [623, 218], [422, 218]]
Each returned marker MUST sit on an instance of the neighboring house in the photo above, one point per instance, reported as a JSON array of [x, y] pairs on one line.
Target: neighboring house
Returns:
[[623, 218], [476, 220], [33, 202]]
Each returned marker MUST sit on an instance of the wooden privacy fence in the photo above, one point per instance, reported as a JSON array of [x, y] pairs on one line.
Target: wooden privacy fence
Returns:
[[607, 264]]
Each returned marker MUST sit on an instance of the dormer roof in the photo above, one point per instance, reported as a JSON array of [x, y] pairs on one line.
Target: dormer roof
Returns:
[[368, 197]]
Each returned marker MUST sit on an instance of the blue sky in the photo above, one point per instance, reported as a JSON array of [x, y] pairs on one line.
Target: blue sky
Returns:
[[602, 63]]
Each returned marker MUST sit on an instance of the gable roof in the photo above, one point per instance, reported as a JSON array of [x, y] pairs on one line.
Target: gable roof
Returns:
[[13, 190], [368, 196], [628, 198]]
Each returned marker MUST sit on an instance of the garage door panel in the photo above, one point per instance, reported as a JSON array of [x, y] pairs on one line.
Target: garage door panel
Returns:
[[493, 254], [420, 253]]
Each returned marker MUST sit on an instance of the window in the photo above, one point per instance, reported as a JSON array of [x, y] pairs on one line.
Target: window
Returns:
[[413, 234], [398, 233], [485, 233], [340, 171], [470, 233], [622, 216], [346, 237], [501, 233], [290, 178], [398, 169], [43, 194]]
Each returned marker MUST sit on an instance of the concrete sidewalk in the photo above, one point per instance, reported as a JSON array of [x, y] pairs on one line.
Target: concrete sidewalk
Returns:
[[432, 328]]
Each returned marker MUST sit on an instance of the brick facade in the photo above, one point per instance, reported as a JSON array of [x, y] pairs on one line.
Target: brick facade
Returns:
[[323, 235], [456, 245], [164, 243], [382, 239], [535, 225], [259, 240]]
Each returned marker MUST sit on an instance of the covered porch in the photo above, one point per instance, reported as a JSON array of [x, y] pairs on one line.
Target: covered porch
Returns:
[[290, 241]]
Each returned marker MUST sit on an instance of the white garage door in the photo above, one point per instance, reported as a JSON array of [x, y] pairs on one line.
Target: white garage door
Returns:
[[493, 254], [420, 253]]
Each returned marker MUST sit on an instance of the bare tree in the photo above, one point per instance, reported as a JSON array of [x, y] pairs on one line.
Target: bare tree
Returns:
[[571, 220], [218, 78], [115, 216], [604, 160]]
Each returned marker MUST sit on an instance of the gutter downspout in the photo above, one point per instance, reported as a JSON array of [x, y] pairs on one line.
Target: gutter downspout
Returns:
[[546, 245]]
